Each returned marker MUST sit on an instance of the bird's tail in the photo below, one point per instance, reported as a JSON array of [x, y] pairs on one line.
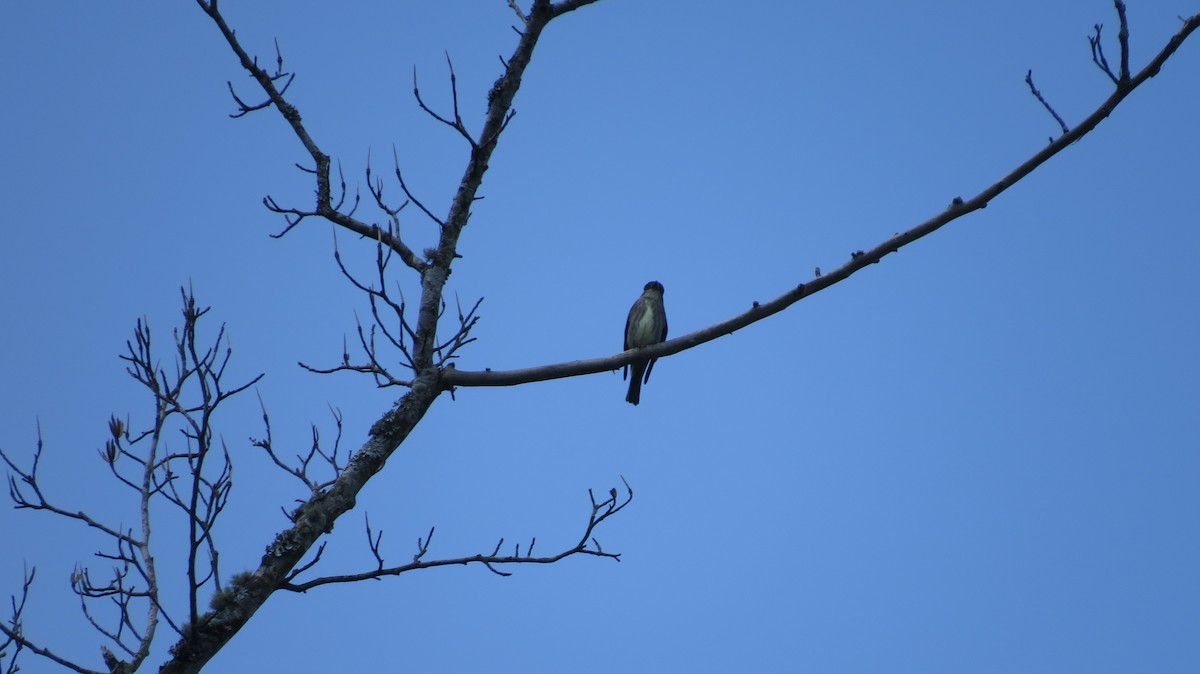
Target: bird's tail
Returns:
[[635, 384]]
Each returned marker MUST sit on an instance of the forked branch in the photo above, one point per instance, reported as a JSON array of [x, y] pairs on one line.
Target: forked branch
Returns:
[[316, 516], [324, 207], [858, 261], [586, 545], [305, 462], [196, 479]]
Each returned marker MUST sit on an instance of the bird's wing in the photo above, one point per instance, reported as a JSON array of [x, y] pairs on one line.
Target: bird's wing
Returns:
[[628, 321]]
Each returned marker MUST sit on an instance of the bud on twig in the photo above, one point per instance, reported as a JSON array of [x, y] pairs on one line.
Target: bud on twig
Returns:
[[116, 427]]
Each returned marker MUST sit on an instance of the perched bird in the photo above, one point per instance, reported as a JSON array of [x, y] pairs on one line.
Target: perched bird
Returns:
[[646, 325]]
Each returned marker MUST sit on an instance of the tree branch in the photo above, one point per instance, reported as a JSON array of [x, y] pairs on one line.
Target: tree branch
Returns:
[[600, 511], [858, 260], [316, 517], [1038, 95], [199, 495], [324, 206], [300, 471]]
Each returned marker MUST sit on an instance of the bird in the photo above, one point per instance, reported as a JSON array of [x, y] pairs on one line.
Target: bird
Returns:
[[646, 325]]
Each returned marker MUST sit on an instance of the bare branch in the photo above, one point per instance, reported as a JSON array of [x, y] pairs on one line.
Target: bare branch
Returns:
[[520, 15], [452, 377], [392, 238], [37, 500], [243, 107], [373, 541], [379, 300], [560, 8], [408, 193], [184, 401], [1123, 39], [600, 511], [1098, 54], [301, 471], [317, 516], [460, 338], [457, 123], [423, 546], [13, 629], [325, 207], [1038, 95], [305, 567], [14, 635]]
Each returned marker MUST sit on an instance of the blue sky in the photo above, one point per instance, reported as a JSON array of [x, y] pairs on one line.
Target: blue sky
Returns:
[[980, 455]]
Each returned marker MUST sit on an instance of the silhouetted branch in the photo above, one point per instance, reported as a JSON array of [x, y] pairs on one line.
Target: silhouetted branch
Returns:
[[294, 216], [246, 592], [305, 567], [520, 15], [408, 193], [461, 336], [587, 545], [1038, 95], [1098, 54], [312, 519], [245, 108], [184, 402], [301, 471], [457, 123], [324, 207], [20, 480], [14, 630], [393, 228], [859, 260], [398, 336], [1122, 39], [559, 8]]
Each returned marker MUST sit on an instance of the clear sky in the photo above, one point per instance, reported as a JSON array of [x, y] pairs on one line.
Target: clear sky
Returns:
[[978, 456]]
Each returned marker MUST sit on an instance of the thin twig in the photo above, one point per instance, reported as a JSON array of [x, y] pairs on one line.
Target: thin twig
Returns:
[[587, 545], [1038, 95]]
